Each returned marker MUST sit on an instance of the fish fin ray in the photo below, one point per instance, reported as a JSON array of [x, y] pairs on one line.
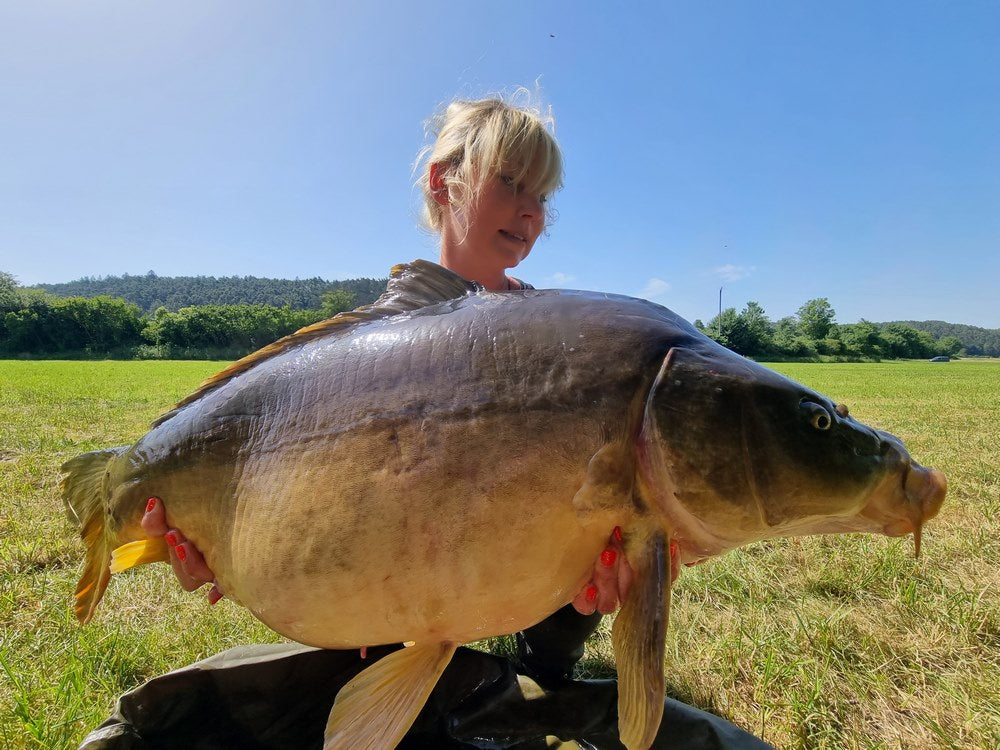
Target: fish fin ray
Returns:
[[139, 553], [638, 637], [84, 494], [411, 286], [608, 485], [378, 706], [83, 484]]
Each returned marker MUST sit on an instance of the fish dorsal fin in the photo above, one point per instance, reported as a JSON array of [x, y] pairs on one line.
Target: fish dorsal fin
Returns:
[[411, 286]]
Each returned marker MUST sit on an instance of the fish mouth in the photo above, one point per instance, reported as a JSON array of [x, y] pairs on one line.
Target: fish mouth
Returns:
[[923, 490]]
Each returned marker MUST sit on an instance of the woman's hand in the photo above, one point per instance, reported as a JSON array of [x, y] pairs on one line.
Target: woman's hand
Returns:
[[187, 561], [609, 584]]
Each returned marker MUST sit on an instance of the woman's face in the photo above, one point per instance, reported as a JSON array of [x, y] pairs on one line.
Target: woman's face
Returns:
[[503, 223]]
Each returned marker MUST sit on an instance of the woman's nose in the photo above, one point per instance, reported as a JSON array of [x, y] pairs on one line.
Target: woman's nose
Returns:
[[531, 206]]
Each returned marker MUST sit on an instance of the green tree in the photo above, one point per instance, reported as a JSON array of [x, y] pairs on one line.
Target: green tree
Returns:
[[816, 317], [336, 301], [747, 332], [150, 291], [757, 329], [98, 324], [9, 298], [789, 340], [975, 340], [861, 338], [51, 325], [722, 327], [900, 341], [245, 327], [949, 345]]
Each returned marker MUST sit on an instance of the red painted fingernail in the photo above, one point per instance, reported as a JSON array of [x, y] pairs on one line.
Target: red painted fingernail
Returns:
[[364, 652], [617, 533], [214, 595], [150, 504], [608, 557], [591, 593], [171, 538], [181, 552]]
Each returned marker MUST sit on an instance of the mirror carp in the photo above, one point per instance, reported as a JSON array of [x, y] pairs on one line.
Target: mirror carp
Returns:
[[447, 464]]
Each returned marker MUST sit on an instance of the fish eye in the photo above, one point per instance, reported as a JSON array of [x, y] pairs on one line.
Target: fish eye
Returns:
[[821, 421], [817, 414]]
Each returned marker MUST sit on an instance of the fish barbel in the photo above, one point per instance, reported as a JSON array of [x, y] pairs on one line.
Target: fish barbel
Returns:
[[446, 465]]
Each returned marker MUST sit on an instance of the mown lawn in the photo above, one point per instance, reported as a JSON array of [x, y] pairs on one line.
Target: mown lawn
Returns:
[[835, 642]]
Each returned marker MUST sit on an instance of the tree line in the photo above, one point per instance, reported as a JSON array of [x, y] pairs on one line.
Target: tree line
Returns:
[[976, 341], [36, 322], [151, 292], [813, 332]]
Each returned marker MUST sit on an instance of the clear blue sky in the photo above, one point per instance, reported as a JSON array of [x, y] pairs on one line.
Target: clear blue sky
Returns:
[[781, 150]]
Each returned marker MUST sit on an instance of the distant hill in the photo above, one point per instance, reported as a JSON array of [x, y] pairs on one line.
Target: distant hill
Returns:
[[150, 291], [976, 341]]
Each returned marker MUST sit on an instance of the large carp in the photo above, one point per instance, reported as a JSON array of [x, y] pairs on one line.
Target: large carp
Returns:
[[447, 464]]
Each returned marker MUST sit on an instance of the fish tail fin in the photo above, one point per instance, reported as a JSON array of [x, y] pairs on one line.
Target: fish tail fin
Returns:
[[638, 638], [139, 553], [377, 707], [84, 493]]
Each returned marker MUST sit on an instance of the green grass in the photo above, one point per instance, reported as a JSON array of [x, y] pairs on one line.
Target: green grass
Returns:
[[826, 642], [57, 679]]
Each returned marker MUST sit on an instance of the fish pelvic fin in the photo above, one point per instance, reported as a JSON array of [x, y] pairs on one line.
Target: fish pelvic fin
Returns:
[[139, 553], [377, 707], [638, 638], [84, 493]]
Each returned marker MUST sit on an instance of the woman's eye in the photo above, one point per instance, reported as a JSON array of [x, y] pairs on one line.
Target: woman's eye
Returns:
[[507, 180], [543, 198]]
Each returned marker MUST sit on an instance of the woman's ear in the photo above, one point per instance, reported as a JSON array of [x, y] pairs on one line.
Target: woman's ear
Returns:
[[439, 190]]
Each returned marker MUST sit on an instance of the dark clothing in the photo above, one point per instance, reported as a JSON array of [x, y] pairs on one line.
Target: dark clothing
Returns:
[[548, 651], [279, 696]]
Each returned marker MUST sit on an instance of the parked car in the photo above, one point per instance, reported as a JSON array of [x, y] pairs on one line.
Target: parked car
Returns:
[[941, 358]]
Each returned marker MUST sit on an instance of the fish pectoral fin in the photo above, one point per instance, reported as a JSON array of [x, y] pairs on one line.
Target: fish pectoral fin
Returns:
[[139, 553], [607, 488], [638, 639], [377, 707]]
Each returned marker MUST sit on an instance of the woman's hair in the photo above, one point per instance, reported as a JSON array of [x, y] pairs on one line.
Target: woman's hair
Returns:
[[476, 139]]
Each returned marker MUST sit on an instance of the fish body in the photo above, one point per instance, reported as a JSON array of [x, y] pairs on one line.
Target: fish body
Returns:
[[447, 464]]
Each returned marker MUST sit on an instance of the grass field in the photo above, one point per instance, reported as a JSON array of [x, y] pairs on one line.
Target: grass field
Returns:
[[834, 642]]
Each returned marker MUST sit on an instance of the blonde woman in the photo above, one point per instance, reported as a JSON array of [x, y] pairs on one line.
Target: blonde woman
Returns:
[[485, 181]]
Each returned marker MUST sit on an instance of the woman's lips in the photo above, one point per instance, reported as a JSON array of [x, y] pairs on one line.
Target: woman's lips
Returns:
[[513, 236]]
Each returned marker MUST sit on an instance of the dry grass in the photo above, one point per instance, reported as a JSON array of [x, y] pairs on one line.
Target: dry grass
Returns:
[[840, 642]]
